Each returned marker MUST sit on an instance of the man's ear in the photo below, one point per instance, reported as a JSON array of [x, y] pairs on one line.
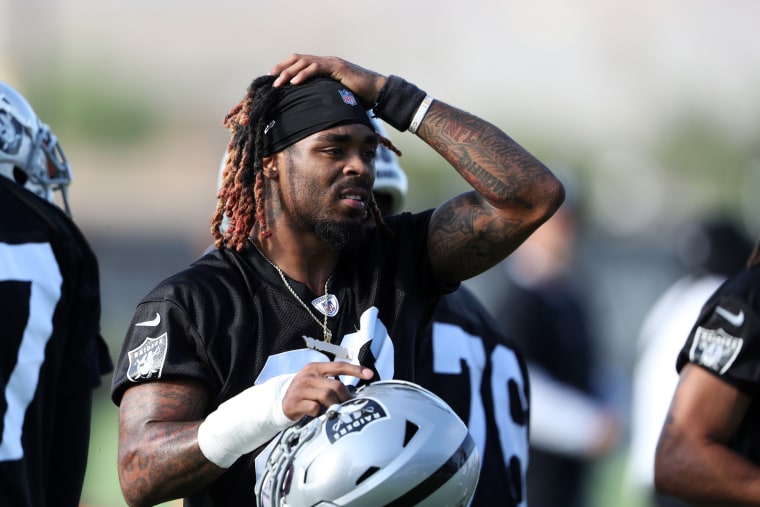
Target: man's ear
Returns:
[[269, 164]]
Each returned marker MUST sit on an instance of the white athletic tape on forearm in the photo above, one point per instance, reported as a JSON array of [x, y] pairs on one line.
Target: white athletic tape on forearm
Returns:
[[244, 422]]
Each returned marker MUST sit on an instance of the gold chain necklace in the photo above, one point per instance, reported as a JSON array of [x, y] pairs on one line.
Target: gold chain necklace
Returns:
[[327, 333]]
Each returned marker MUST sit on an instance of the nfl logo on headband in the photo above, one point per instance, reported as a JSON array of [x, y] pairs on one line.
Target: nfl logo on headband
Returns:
[[310, 107], [348, 97]]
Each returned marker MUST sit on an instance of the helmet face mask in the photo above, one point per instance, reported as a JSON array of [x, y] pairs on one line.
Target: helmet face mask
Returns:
[[394, 443], [30, 154]]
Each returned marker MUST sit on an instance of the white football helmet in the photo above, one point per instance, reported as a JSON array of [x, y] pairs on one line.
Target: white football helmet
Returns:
[[395, 443], [29, 153], [390, 178]]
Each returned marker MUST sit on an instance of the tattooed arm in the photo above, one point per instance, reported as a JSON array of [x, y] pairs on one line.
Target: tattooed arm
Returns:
[[514, 194], [159, 458], [168, 450], [693, 460]]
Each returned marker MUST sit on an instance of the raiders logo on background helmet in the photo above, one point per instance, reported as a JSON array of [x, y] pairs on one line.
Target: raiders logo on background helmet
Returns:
[[29, 152]]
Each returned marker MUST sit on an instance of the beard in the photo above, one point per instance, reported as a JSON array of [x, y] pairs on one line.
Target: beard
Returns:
[[337, 235]]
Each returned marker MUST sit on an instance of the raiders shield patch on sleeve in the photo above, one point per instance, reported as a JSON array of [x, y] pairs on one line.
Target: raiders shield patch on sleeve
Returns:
[[147, 360], [715, 349]]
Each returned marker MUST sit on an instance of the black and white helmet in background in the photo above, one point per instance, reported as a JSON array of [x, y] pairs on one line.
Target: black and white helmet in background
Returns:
[[390, 179], [395, 443], [29, 153]]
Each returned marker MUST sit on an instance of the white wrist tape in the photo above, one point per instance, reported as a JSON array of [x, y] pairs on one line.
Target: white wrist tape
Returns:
[[244, 422]]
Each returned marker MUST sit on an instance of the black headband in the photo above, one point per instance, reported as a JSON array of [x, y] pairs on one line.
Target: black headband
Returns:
[[320, 103]]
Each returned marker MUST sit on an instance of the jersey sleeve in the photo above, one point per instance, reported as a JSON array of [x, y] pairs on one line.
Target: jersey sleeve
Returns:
[[726, 338], [89, 357], [161, 343]]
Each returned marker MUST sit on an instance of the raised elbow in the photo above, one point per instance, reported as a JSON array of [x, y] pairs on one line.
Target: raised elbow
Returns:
[[546, 200], [554, 196]]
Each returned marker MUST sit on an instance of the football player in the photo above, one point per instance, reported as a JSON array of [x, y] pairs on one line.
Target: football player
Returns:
[[709, 449], [52, 355], [302, 298]]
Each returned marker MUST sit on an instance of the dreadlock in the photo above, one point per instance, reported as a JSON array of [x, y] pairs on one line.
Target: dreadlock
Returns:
[[241, 193], [374, 209]]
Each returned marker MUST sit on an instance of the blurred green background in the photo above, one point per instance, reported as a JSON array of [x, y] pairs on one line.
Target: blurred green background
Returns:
[[652, 107]]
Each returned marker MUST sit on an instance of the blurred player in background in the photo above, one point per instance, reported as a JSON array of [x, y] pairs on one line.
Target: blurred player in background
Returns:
[[709, 450], [544, 307], [709, 252], [53, 355], [468, 360]]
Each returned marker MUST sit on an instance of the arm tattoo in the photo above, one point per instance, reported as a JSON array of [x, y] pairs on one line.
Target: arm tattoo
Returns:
[[666, 433], [159, 455], [454, 228], [487, 158], [514, 194]]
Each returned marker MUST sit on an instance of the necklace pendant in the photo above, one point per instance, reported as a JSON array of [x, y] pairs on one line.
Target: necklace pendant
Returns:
[[329, 348], [328, 335], [327, 305]]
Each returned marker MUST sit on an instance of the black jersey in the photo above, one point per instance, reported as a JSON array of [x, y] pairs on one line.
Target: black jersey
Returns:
[[725, 341], [550, 325], [230, 322], [468, 360], [51, 352]]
